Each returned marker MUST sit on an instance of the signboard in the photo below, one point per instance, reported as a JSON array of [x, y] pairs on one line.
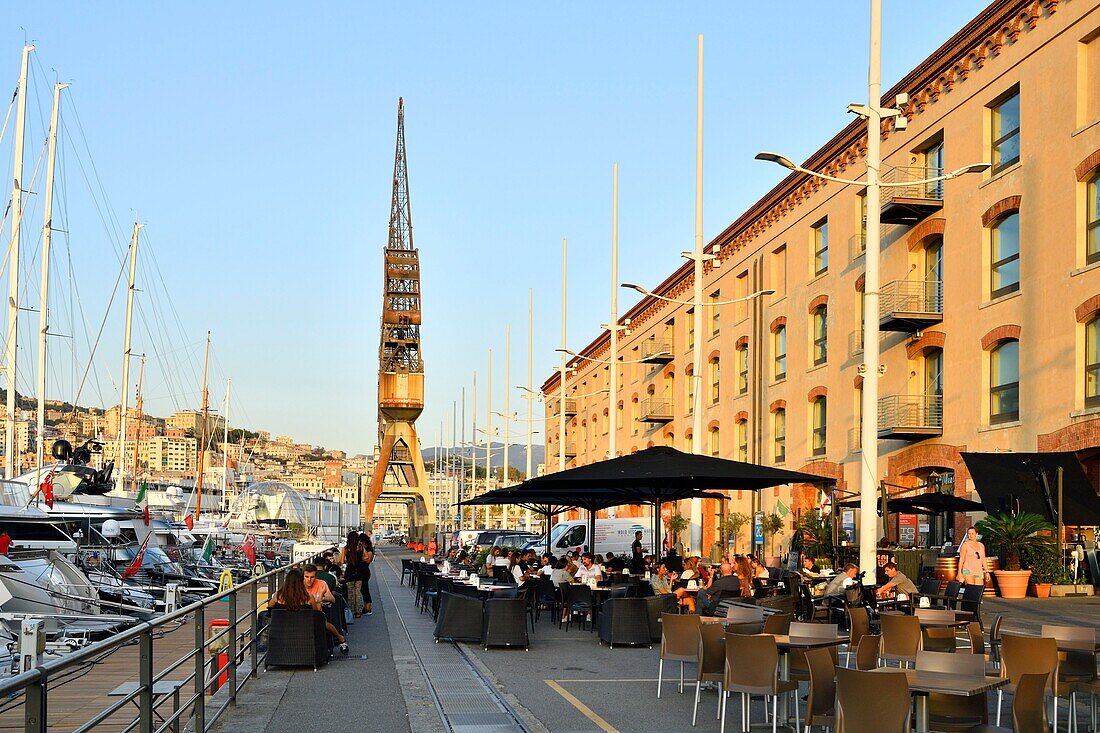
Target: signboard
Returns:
[[758, 528], [907, 530], [848, 524]]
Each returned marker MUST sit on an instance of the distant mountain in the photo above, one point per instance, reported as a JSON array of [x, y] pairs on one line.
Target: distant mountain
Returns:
[[517, 455]]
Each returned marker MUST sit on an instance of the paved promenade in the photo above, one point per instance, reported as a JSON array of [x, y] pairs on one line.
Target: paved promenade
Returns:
[[398, 679]]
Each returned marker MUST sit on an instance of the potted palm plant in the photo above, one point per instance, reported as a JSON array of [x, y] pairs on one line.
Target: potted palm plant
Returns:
[[1014, 536]]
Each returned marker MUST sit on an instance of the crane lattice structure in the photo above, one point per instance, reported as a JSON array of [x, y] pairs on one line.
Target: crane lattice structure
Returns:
[[399, 473]]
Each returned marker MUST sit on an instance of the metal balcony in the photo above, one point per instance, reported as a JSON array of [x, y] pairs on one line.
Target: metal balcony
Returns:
[[911, 201], [910, 305], [855, 342], [570, 407], [656, 351], [857, 246], [855, 440], [910, 417], [656, 410], [570, 448]]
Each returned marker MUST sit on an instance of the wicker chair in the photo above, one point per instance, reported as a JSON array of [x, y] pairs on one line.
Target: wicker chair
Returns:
[[297, 639], [460, 618], [656, 605], [625, 621], [505, 623]]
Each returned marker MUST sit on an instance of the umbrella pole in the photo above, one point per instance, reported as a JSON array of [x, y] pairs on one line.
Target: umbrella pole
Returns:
[[592, 531], [549, 526]]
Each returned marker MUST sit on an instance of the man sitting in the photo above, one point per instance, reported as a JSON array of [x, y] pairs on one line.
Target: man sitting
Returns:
[[589, 570], [842, 580], [614, 564], [727, 581], [896, 584], [324, 573]]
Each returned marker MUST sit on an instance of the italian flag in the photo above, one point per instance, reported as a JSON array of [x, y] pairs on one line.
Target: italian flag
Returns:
[[143, 498], [208, 548]]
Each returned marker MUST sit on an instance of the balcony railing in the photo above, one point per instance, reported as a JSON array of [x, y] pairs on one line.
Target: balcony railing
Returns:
[[656, 351], [855, 440], [570, 407], [910, 305], [910, 417], [912, 200], [656, 410], [857, 245], [855, 342], [571, 448]]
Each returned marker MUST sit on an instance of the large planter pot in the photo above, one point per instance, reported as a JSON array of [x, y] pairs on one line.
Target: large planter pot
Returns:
[[1042, 590], [1012, 583]]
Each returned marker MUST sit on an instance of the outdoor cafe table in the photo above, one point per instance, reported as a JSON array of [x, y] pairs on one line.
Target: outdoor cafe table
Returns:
[[923, 682]]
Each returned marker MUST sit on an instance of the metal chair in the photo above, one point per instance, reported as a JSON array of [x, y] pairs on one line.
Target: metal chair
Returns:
[[777, 623], [505, 623], [547, 597], [745, 613], [901, 636], [890, 712], [951, 594], [859, 625], [752, 668], [971, 602], [867, 652], [679, 643], [577, 600], [955, 712], [1022, 655], [712, 664], [937, 639], [625, 621], [407, 569], [799, 667], [460, 618], [995, 642], [822, 695], [1076, 670]]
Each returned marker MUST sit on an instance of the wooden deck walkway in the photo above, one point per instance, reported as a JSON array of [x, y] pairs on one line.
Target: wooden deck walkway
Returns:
[[81, 693]]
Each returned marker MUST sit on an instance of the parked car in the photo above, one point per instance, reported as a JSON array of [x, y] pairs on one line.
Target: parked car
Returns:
[[514, 539]]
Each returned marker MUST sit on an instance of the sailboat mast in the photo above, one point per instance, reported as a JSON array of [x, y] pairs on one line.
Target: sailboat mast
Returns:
[[225, 439], [141, 418], [44, 289], [202, 438], [120, 480], [10, 468]]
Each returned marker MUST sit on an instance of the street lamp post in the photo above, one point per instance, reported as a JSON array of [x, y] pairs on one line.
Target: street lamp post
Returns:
[[697, 257], [872, 183]]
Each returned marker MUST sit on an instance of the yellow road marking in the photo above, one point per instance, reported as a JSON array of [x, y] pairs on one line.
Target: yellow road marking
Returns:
[[584, 709]]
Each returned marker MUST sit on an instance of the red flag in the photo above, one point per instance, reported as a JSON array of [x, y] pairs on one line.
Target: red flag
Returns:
[[249, 549], [145, 514], [189, 521], [47, 490], [135, 565]]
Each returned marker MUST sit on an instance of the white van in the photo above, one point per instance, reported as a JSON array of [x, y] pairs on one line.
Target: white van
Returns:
[[614, 535]]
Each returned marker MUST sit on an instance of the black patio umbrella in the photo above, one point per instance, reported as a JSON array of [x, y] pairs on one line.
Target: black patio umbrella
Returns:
[[940, 503], [1028, 482], [893, 506], [658, 475]]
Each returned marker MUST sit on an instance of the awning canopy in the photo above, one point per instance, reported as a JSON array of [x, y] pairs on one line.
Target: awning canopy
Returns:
[[893, 506], [932, 503], [1028, 482], [555, 501]]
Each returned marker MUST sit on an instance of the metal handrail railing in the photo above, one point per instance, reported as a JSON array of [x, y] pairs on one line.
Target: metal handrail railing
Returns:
[[911, 296], [910, 411], [914, 183], [655, 348], [656, 408], [34, 683]]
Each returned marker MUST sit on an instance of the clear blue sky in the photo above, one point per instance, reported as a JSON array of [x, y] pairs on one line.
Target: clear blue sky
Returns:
[[256, 143]]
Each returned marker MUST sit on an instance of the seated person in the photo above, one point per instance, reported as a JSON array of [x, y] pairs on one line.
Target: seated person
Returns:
[[295, 596], [324, 572], [883, 555], [725, 580], [842, 580], [809, 567], [661, 580], [491, 560], [614, 564], [896, 585], [560, 574], [759, 570], [317, 589], [589, 570]]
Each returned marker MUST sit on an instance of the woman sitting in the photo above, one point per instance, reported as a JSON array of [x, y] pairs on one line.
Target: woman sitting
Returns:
[[293, 596], [661, 581], [743, 568], [691, 572]]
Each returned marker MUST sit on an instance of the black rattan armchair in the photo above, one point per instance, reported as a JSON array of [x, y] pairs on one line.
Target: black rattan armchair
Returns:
[[505, 623], [460, 618], [625, 621], [297, 639]]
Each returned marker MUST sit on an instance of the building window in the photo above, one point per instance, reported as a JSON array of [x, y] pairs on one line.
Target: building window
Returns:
[[1006, 133], [742, 369], [1004, 382], [740, 292], [1092, 363], [690, 387], [821, 334], [861, 242], [779, 272], [779, 435], [743, 440], [1005, 256], [1092, 232], [714, 441], [635, 416], [779, 342], [606, 422], [715, 380], [691, 329], [715, 313], [821, 247], [817, 438], [689, 443]]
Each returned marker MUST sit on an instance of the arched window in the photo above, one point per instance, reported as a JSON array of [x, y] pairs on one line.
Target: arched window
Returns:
[[818, 412], [1004, 271], [1092, 231], [1004, 382], [715, 380], [933, 372], [742, 440], [1092, 362], [779, 350], [742, 369], [635, 416], [689, 443], [689, 386], [779, 435], [714, 441], [820, 332]]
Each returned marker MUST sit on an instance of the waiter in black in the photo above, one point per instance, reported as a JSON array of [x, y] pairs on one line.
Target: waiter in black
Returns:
[[637, 555]]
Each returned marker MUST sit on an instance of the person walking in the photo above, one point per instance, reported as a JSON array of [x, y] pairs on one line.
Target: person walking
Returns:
[[367, 546], [972, 559], [352, 559]]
